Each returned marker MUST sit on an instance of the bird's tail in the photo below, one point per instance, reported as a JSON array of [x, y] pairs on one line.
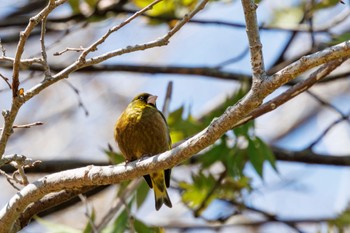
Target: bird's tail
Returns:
[[160, 193]]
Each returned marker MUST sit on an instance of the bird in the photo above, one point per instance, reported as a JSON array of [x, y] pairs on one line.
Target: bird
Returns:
[[142, 130]]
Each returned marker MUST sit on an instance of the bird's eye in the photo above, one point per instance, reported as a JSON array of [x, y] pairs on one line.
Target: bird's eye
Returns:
[[142, 98]]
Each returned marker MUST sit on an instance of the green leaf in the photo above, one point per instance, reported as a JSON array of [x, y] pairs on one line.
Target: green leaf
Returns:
[[340, 38], [141, 194], [182, 128], [114, 157], [323, 4], [231, 188], [230, 101], [244, 130], [75, 6], [236, 161], [215, 153], [342, 220], [195, 193], [120, 224], [55, 227], [287, 16], [267, 153], [141, 227], [89, 228], [255, 156], [164, 8], [175, 116]]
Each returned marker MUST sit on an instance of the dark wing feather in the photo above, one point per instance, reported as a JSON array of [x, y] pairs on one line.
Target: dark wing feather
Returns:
[[167, 174], [148, 180]]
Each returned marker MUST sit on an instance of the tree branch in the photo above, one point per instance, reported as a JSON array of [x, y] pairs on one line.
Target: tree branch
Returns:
[[78, 64], [94, 175], [255, 46], [307, 156], [23, 39], [9, 116]]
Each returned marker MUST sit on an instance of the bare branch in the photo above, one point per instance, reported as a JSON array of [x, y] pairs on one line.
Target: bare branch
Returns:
[[9, 116], [9, 179], [69, 50], [47, 71], [88, 212], [295, 90], [26, 126], [255, 46], [233, 116], [23, 62], [309, 157], [119, 202], [80, 101], [94, 46], [79, 64], [42, 206], [23, 39], [323, 134], [167, 99], [3, 51], [6, 81]]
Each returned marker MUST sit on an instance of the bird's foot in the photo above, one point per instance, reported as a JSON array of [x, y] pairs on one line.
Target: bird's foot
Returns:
[[145, 156]]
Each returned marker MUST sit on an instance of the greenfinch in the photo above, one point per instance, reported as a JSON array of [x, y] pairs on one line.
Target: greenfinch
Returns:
[[142, 130]]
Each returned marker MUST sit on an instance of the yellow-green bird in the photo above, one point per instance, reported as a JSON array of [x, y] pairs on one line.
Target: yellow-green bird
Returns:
[[142, 130]]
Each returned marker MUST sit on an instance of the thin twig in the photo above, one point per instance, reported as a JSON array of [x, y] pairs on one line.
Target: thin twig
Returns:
[[3, 51], [88, 212], [157, 43], [23, 62], [6, 80], [9, 179], [295, 90], [26, 126], [325, 131], [94, 46], [69, 50], [80, 101], [47, 71], [325, 103], [18, 101], [197, 212], [234, 59], [23, 39], [167, 99], [118, 204]]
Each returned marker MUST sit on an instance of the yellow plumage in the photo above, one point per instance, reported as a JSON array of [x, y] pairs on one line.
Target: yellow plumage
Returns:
[[141, 130]]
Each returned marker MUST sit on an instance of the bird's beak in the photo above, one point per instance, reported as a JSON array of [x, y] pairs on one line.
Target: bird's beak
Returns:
[[152, 99]]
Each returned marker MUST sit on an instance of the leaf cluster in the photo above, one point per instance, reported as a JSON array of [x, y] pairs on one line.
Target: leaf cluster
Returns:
[[221, 167]]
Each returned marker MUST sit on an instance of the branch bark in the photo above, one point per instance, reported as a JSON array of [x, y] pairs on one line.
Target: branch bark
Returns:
[[103, 175], [19, 100], [255, 46]]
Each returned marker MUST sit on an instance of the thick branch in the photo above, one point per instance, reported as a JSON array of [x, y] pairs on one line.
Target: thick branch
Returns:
[[61, 199]]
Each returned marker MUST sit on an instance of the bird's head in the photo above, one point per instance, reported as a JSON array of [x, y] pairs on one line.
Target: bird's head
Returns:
[[145, 99]]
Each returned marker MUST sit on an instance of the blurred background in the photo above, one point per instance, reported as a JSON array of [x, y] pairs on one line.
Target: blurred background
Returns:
[[209, 65]]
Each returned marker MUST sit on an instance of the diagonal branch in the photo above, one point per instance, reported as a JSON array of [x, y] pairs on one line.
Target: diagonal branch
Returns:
[[103, 175], [94, 46], [23, 39], [9, 116], [78, 64]]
